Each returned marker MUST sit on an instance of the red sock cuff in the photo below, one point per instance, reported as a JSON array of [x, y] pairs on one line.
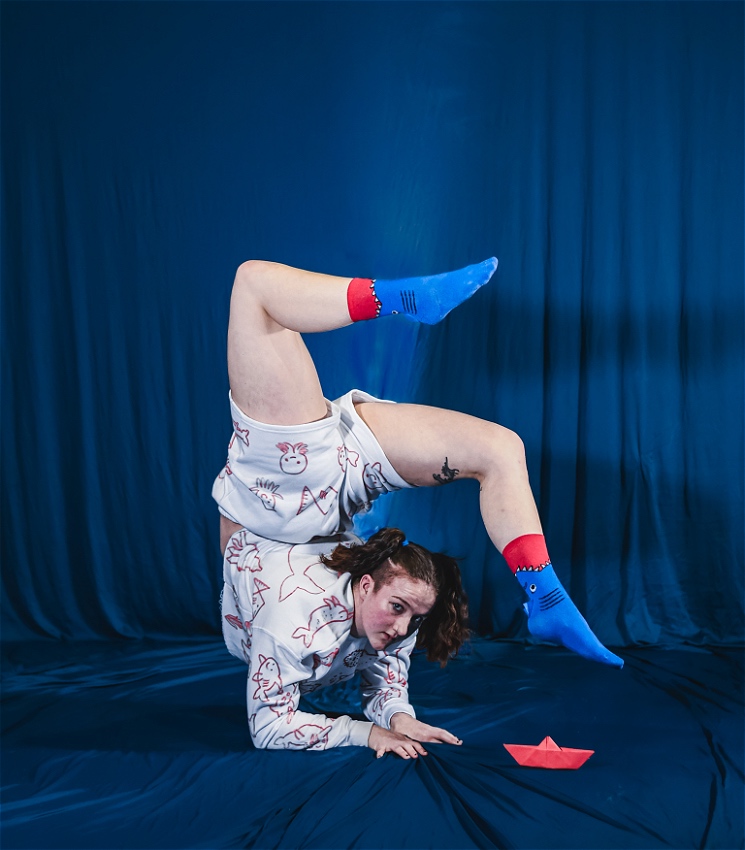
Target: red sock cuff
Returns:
[[362, 302], [526, 552]]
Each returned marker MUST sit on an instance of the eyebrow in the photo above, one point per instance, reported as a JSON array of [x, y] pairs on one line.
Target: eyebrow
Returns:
[[409, 605]]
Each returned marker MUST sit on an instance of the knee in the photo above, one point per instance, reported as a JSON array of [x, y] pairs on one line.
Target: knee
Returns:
[[506, 452], [250, 276]]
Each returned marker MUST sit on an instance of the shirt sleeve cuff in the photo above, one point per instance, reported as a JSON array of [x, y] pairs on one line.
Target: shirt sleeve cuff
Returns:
[[400, 708], [359, 732]]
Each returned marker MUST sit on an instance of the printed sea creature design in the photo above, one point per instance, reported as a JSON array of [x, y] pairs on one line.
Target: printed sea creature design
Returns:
[[283, 705], [324, 501], [374, 480], [395, 673], [226, 470], [309, 736], [266, 491], [258, 600], [298, 579], [324, 659], [353, 659], [332, 611], [268, 679], [243, 555], [294, 458], [346, 456], [241, 433], [378, 704], [237, 623]]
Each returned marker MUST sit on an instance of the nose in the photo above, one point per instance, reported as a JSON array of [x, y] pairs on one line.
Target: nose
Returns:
[[401, 626]]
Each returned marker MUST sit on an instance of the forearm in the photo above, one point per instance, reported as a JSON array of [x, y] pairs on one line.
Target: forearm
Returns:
[[301, 730]]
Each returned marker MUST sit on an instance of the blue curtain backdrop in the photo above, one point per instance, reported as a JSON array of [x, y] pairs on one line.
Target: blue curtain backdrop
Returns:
[[595, 148]]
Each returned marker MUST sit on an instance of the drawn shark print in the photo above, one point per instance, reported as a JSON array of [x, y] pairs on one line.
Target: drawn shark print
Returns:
[[226, 470], [236, 622], [324, 502], [346, 456], [266, 491], [394, 674], [283, 705], [309, 736], [298, 579], [325, 659], [332, 611], [294, 458], [378, 704], [353, 659], [374, 480], [241, 433], [258, 596], [243, 555], [268, 679]]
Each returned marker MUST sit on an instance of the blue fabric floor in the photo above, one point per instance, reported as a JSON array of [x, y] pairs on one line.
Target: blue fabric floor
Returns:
[[145, 745]]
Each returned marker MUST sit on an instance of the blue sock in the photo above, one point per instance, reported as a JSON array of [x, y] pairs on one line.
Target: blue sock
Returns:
[[551, 613], [423, 299], [554, 617]]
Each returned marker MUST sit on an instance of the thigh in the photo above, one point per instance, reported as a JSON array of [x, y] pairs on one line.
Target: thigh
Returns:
[[429, 446], [272, 376]]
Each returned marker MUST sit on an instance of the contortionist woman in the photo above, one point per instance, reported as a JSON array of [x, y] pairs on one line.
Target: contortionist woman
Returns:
[[304, 602]]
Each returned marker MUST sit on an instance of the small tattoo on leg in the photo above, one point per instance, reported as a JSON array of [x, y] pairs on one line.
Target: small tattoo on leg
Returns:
[[447, 475]]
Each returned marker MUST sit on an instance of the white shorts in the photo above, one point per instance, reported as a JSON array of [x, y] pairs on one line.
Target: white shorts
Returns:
[[292, 483]]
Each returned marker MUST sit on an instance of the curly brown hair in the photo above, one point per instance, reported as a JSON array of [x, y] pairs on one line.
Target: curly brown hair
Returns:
[[444, 630]]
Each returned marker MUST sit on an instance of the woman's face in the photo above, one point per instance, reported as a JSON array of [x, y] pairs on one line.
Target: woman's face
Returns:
[[386, 613]]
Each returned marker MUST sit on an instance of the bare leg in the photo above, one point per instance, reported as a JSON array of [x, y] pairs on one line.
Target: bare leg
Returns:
[[273, 379], [272, 376], [428, 446]]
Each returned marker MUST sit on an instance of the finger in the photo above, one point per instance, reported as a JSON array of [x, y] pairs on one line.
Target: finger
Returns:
[[419, 748], [443, 736]]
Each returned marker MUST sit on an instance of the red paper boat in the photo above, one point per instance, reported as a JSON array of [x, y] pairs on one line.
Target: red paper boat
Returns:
[[548, 754]]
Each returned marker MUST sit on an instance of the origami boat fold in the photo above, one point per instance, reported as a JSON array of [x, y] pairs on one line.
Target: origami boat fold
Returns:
[[548, 754]]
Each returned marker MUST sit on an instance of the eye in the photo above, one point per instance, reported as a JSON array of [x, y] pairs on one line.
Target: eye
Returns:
[[397, 607], [533, 588]]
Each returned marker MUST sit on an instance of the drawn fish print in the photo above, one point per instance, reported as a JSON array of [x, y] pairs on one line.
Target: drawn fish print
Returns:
[[346, 457], [332, 611], [353, 659], [241, 433], [395, 673], [268, 679], [309, 736], [298, 579], [258, 600], [324, 501], [324, 659]]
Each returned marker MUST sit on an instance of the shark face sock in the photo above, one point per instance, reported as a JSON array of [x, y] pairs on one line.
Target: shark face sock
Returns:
[[552, 615], [422, 299]]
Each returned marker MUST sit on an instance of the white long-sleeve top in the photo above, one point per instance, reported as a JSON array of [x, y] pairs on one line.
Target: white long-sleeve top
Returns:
[[290, 619]]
